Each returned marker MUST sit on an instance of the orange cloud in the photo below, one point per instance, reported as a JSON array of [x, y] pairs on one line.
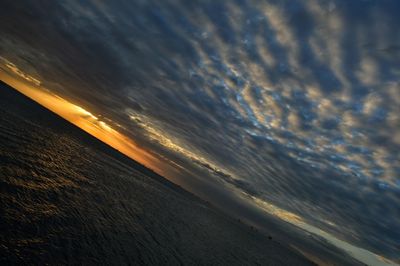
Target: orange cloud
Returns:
[[31, 87]]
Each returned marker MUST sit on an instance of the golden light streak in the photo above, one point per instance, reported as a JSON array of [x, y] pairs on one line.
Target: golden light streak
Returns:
[[31, 87], [360, 254]]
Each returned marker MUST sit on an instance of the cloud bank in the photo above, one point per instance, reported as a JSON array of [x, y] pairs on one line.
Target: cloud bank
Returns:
[[294, 103]]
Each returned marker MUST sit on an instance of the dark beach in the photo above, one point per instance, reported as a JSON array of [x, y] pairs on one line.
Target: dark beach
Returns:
[[67, 198]]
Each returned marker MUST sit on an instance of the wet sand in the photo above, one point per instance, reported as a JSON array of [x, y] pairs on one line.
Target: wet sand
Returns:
[[67, 198]]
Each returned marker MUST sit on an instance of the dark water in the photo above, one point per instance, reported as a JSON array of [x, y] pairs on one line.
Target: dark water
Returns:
[[293, 102], [66, 199]]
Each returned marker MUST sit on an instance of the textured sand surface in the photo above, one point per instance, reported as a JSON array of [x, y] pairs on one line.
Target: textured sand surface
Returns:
[[68, 199]]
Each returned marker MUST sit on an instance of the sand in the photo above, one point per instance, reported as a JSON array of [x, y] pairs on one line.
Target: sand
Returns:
[[67, 198]]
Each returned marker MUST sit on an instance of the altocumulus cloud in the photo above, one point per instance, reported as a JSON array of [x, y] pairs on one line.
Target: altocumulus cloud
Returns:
[[292, 102]]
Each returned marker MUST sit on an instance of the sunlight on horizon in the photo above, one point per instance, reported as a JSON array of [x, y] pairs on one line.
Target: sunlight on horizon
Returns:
[[77, 115], [92, 124]]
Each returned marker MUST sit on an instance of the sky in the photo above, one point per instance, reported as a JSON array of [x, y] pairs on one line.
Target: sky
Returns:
[[292, 104]]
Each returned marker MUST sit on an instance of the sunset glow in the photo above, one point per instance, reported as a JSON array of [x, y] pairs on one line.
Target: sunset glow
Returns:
[[77, 115], [274, 112]]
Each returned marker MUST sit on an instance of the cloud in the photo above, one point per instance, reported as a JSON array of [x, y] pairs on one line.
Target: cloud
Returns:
[[294, 102]]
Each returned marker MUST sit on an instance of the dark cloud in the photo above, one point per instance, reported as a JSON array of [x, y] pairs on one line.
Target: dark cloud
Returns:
[[294, 102]]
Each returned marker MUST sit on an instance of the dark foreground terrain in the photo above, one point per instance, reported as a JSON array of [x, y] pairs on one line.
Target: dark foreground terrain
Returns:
[[66, 198]]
